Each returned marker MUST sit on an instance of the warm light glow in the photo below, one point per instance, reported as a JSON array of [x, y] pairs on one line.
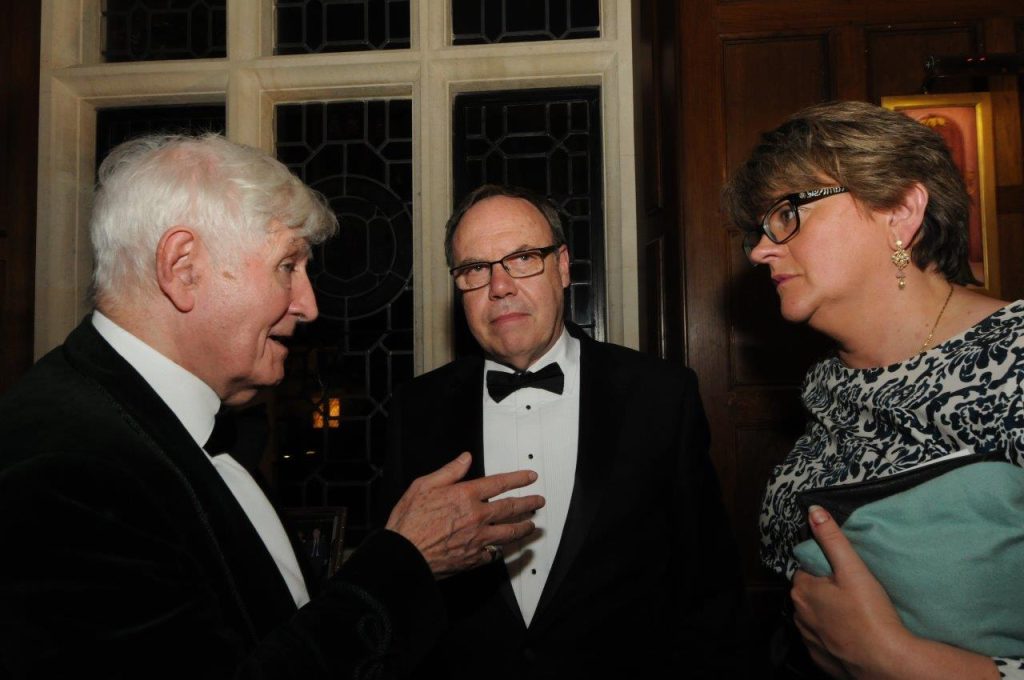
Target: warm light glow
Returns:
[[333, 413]]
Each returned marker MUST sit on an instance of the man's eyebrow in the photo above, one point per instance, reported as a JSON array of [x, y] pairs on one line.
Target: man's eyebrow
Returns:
[[478, 260], [299, 246]]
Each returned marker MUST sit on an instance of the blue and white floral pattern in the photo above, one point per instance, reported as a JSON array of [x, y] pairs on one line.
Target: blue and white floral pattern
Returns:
[[871, 423]]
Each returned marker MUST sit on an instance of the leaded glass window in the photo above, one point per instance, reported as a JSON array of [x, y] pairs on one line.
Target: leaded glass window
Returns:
[[332, 407], [309, 26], [151, 30], [114, 126], [495, 21], [548, 141]]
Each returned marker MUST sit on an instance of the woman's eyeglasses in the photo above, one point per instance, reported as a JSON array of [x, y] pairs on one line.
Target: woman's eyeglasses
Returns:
[[781, 221]]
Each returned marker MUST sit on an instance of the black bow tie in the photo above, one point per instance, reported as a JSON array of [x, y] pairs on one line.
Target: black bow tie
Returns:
[[501, 384], [224, 435]]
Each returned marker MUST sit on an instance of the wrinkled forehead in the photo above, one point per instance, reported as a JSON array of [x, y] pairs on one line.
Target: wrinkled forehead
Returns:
[[500, 218], [291, 242], [279, 241]]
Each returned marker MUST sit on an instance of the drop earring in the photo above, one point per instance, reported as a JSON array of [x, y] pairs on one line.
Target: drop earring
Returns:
[[900, 258]]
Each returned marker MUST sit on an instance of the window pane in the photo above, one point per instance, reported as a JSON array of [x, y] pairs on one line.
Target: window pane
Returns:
[[332, 407], [494, 21], [114, 126], [548, 141], [150, 30], [309, 26]]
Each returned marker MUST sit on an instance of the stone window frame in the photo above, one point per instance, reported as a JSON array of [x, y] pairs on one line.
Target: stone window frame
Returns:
[[74, 83]]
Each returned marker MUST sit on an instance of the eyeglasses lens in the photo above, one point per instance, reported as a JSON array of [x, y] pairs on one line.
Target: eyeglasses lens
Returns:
[[783, 221], [524, 264], [518, 265]]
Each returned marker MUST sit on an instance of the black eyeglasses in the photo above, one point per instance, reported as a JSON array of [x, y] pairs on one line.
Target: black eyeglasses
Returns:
[[781, 221], [518, 265]]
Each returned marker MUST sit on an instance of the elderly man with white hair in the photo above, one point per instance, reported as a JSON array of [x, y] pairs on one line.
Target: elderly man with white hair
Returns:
[[168, 559]]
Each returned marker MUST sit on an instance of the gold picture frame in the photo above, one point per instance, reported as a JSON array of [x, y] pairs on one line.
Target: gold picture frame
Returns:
[[965, 121]]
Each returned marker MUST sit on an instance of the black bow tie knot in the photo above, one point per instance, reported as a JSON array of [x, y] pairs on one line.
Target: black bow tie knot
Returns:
[[501, 384]]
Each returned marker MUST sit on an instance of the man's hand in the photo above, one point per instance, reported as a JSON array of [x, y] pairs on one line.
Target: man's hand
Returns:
[[451, 522]]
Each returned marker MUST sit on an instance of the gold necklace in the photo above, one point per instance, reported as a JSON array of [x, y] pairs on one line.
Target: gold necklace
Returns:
[[935, 325]]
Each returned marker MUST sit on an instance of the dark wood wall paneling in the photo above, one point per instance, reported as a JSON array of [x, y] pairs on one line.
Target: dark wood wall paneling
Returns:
[[19, 115], [1008, 121], [744, 66], [655, 86]]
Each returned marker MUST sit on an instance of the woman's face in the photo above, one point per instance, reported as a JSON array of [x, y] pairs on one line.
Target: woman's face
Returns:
[[835, 261]]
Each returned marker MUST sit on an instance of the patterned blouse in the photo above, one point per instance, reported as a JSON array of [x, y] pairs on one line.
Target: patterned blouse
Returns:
[[874, 422]]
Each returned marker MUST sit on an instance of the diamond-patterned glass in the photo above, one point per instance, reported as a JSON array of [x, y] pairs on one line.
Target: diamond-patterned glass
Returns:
[[548, 141], [310, 26], [152, 30], [332, 407], [114, 126], [495, 21]]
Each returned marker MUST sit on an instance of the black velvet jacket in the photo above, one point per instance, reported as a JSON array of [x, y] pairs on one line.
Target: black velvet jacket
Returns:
[[124, 554]]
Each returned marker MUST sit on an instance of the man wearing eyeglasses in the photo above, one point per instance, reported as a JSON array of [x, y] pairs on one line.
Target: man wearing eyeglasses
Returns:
[[632, 570]]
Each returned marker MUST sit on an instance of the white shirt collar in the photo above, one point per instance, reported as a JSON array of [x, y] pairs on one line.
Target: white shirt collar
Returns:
[[190, 399]]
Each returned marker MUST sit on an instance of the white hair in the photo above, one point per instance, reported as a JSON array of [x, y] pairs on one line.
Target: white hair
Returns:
[[227, 193]]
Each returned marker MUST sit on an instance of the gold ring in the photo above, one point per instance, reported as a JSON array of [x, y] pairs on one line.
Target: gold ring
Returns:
[[493, 550]]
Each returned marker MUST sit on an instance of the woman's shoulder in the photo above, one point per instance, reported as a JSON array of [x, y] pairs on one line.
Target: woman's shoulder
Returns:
[[993, 338], [978, 309], [992, 320]]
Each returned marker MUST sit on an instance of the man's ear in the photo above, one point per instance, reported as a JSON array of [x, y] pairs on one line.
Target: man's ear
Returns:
[[563, 265], [907, 216], [176, 266]]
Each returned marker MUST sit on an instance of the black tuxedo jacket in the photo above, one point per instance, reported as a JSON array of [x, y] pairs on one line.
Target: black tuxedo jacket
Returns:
[[645, 577], [125, 555]]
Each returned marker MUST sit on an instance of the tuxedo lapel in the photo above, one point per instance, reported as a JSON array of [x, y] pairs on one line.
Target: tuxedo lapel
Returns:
[[597, 433], [468, 413], [462, 413], [251, 571], [452, 423]]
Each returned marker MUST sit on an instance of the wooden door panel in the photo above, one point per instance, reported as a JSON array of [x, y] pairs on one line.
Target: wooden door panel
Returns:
[[896, 56], [655, 71], [765, 79]]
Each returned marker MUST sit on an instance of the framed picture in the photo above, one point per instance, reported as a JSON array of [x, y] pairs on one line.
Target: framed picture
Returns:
[[321, 537], [965, 122]]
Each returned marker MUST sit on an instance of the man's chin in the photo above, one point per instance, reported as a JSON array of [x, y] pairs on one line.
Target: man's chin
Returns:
[[244, 394]]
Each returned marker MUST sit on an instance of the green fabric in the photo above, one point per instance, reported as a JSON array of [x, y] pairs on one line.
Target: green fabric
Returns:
[[950, 553]]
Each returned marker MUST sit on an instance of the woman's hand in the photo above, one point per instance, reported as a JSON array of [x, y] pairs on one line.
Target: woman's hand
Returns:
[[847, 616], [852, 629]]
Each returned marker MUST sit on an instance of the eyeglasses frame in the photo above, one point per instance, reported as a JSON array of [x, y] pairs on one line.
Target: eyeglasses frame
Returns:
[[544, 252], [797, 200]]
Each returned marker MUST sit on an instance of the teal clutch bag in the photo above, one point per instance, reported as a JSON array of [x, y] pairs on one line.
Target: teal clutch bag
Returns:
[[946, 541]]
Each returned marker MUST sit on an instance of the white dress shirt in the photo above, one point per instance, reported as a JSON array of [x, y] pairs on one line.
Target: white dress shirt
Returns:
[[195, 404], [533, 429]]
